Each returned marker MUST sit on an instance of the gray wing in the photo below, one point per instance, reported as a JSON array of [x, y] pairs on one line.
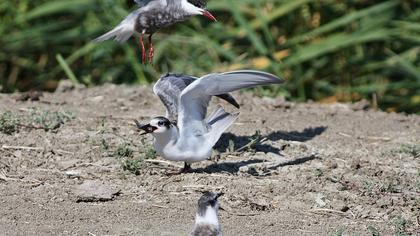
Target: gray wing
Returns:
[[126, 28], [169, 87], [195, 98], [142, 3]]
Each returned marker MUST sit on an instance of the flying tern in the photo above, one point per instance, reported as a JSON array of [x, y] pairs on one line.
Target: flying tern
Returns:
[[186, 98], [153, 15]]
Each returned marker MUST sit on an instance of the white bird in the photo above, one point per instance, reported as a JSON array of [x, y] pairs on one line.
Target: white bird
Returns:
[[206, 219], [186, 99], [153, 15]]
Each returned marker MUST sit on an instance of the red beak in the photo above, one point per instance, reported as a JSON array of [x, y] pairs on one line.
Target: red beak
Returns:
[[209, 15]]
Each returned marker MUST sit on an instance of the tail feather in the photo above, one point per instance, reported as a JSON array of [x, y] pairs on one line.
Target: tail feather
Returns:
[[216, 113], [123, 31], [219, 122]]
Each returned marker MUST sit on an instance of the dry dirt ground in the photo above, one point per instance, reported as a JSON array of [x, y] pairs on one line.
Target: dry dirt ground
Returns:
[[73, 163]]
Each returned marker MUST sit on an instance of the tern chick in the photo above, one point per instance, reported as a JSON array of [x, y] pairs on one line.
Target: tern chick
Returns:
[[153, 15], [206, 219], [193, 135]]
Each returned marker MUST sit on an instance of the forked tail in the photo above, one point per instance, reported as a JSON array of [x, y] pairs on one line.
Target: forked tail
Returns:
[[123, 31], [219, 120]]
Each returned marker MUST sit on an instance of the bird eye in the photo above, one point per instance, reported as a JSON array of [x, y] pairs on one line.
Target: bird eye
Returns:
[[160, 123]]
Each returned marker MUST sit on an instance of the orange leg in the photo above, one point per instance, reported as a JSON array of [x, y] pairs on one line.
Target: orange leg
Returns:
[[151, 49], [143, 50]]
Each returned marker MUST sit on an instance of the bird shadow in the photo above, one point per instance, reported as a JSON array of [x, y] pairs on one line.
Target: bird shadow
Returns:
[[300, 136], [233, 167], [297, 161], [240, 141], [230, 167]]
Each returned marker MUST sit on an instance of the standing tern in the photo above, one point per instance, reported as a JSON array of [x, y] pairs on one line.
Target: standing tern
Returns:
[[153, 15], [206, 219], [186, 99]]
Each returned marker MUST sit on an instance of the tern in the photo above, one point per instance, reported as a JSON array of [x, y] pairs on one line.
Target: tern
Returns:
[[186, 98], [206, 219], [153, 15]]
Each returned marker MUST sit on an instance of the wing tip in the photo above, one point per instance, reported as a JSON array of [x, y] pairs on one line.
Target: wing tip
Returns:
[[273, 78], [103, 38], [230, 99], [235, 103], [99, 39]]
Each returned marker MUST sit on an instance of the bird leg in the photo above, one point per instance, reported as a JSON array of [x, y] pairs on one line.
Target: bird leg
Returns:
[[143, 50], [187, 168], [151, 49]]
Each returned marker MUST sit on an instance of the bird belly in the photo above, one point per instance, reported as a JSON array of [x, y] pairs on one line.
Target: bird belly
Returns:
[[151, 22], [185, 153]]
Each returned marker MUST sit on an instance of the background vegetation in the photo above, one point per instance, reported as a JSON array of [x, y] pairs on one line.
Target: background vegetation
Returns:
[[328, 50]]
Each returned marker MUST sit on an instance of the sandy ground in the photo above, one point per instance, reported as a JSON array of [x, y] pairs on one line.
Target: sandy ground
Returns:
[[314, 169]]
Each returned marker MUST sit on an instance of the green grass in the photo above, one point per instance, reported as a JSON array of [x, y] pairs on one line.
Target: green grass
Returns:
[[33, 119], [8, 123], [410, 149], [326, 50], [133, 160], [373, 231], [123, 150], [48, 120], [318, 172], [134, 163], [400, 224]]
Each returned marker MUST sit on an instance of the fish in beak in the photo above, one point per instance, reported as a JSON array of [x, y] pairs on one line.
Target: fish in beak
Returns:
[[146, 128]]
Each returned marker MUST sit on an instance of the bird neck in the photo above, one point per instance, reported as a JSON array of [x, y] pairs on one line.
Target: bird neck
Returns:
[[209, 216], [163, 139]]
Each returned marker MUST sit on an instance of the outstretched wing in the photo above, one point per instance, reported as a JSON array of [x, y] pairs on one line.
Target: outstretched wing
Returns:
[[169, 87], [195, 98]]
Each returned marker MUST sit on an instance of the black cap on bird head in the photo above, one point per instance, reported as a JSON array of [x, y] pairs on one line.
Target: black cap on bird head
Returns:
[[208, 199], [199, 3]]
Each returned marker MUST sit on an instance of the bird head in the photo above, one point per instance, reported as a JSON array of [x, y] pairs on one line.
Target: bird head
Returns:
[[197, 7], [208, 199], [157, 125]]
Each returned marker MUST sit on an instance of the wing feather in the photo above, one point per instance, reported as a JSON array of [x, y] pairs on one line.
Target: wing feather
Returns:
[[123, 31], [126, 28], [142, 3], [220, 124], [195, 98], [169, 87]]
